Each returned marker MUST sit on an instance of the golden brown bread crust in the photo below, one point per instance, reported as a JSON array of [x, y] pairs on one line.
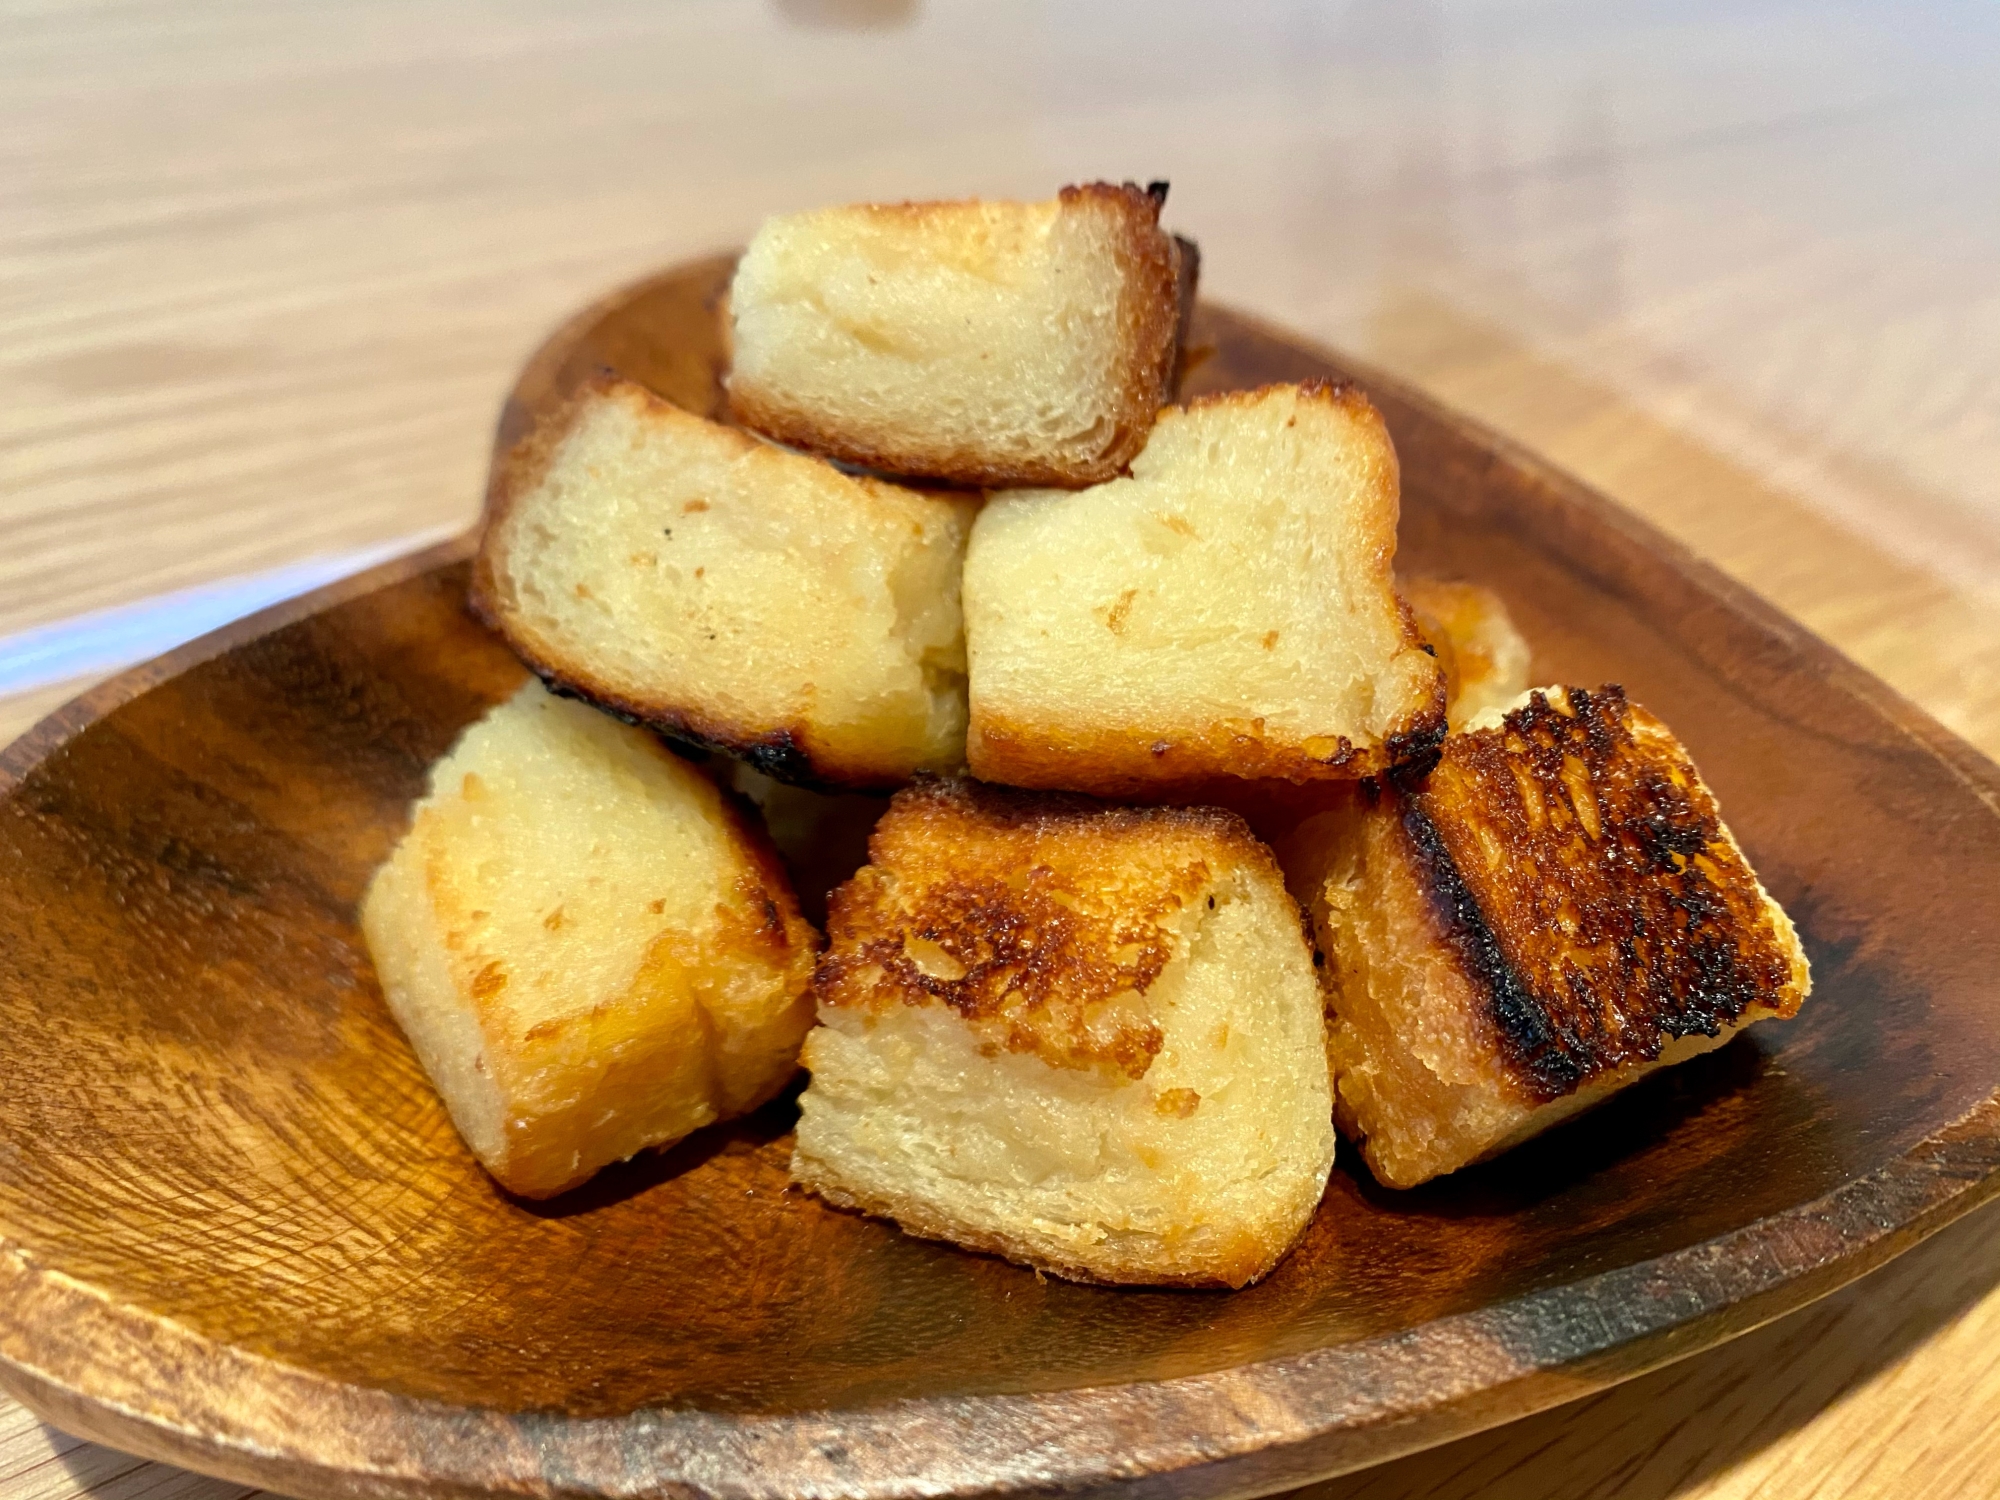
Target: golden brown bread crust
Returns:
[[1154, 311], [1579, 873], [790, 753], [1037, 917], [1183, 767]]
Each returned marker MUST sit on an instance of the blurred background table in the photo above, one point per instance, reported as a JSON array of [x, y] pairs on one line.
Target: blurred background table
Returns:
[[270, 265]]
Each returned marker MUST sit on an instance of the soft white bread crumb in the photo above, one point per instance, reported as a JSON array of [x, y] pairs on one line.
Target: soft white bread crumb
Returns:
[[1084, 1037], [726, 592], [1227, 610], [1485, 659], [589, 951], [979, 343], [1556, 911]]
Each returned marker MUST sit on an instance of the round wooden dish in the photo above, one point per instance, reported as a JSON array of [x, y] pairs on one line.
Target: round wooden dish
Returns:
[[238, 1233]]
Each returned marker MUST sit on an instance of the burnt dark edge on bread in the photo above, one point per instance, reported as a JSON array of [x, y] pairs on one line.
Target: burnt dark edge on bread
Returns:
[[1535, 1052], [776, 754], [1548, 1058], [1415, 751], [779, 753]]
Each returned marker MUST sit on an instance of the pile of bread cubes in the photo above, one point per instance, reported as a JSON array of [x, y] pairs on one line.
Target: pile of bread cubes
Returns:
[[1205, 836]]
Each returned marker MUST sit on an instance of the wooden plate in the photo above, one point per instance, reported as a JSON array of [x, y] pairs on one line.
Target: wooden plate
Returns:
[[237, 1232]]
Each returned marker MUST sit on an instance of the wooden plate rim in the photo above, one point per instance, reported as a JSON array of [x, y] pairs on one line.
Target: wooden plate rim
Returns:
[[143, 1383]]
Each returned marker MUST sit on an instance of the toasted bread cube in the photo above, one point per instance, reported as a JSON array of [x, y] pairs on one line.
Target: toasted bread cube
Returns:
[[1227, 610], [1485, 659], [685, 575], [1555, 912], [1084, 1037], [589, 950], [977, 343]]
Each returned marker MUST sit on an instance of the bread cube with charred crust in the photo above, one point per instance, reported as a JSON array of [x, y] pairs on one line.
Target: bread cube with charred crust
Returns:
[[1485, 659], [588, 948], [1554, 912], [1228, 609], [1084, 1037], [686, 575], [977, 343]]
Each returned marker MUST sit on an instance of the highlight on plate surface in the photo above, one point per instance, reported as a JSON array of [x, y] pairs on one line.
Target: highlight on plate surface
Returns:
[[1195, 839]]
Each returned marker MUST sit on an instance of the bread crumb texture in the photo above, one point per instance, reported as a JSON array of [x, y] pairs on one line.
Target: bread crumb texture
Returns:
[[1555, 911], [976, 343], [1228, 609], [588, 949], [726, 592], [1084, 1037]]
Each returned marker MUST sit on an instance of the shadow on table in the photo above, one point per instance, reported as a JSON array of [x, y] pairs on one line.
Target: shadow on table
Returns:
[[1676, 1430]]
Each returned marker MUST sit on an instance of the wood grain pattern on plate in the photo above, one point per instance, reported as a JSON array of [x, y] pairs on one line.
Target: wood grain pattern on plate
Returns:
[[237, 1232]]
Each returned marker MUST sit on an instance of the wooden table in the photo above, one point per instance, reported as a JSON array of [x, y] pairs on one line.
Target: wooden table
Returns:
[[269, 266]]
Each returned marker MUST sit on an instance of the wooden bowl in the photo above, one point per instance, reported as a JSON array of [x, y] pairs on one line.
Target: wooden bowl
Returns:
[[238, 1233]]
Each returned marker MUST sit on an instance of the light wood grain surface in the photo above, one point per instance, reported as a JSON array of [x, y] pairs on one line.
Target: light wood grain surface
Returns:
[[268, 267]]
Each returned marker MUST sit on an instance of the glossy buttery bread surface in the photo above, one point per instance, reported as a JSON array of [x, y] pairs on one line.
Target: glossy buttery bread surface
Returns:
[[589, 950], [977, 343], [1084, 1037]]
